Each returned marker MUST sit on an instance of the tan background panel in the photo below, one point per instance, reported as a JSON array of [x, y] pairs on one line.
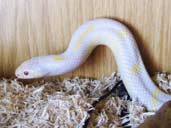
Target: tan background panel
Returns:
[[37, 27]]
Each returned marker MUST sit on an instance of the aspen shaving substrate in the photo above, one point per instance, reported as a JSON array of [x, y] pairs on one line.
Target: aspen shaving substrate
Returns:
[[65, 103]]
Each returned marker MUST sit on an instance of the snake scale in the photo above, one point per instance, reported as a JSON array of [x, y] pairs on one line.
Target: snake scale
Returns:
[[119, 39]]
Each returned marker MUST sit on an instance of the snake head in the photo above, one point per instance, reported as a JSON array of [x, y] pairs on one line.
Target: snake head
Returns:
[[42, 66], [29, 69]]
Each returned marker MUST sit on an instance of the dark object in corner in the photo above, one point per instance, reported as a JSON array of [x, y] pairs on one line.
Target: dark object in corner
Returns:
[[162, 118], [102, 98]]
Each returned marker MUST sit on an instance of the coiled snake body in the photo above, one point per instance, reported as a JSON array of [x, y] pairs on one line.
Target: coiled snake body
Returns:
[[119, 39]]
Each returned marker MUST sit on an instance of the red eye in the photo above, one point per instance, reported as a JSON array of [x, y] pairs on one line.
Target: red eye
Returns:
[[26, 73]]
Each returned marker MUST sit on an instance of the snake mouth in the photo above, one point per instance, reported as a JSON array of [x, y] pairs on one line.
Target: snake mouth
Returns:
[[17, 73]]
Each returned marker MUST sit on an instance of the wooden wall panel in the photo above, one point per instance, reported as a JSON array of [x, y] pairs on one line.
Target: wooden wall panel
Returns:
[[37, 27]]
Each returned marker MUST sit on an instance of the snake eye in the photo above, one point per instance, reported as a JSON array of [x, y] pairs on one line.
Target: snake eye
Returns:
[[26, 73]]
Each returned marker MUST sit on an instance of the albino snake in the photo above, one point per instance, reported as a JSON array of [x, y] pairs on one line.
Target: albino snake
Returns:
[[119, 39]]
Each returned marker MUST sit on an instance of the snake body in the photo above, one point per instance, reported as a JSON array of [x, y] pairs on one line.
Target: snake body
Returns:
[[119, 39]]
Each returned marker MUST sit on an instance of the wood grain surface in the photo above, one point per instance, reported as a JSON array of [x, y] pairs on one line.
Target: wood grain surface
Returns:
[[38, 27]]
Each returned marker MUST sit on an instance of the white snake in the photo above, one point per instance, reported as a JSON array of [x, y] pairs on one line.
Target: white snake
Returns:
[[89, 35]]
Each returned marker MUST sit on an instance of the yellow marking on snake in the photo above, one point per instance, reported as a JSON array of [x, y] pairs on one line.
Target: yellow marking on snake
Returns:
[[135, 69], [83, 35], [123, 33], [57, 58], [155, 94]]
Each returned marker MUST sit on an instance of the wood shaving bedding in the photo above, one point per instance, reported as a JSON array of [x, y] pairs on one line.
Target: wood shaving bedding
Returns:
[[164, 81], [25, 107], [66, 103]]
